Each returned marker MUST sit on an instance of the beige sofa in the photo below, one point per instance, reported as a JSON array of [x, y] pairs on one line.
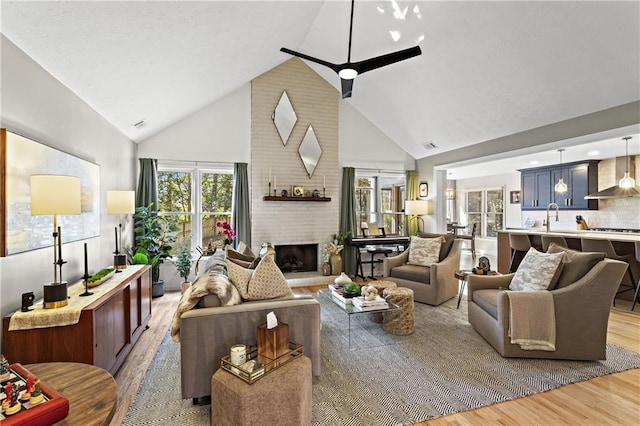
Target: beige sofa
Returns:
[[581, 312], [433, 284], [208, 330]]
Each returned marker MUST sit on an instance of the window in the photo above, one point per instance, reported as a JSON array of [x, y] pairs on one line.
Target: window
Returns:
[[196, 197], [486, 208], [380, 200]]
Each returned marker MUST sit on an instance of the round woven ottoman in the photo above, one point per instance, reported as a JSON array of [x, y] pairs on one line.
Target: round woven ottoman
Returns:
[[399, 322], [380, 286]]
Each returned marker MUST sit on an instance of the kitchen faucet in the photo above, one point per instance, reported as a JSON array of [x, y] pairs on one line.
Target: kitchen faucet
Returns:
[[557, 213]]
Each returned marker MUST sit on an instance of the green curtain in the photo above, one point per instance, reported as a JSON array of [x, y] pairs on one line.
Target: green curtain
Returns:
[[412, 194], [148, 183], [348, 218], [241, 205]]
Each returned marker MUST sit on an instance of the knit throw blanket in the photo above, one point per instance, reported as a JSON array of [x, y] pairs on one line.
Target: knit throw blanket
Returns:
[[532, 320], [209, 283]]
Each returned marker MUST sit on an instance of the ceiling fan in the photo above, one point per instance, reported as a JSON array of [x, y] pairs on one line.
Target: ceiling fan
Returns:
[[349, 70]]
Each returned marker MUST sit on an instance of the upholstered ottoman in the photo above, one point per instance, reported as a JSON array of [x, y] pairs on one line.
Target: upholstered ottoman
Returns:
[[399, 322], [380, 286], [282, 397]]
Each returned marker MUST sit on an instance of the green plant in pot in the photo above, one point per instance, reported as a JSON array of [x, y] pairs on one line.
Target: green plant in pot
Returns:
[[183, 263], [351, 289], [153, 238]]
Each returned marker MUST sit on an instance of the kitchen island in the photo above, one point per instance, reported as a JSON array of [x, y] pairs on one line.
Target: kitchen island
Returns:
[[623, 242]]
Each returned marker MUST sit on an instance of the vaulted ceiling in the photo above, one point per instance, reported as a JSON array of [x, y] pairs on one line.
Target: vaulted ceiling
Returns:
[[488, 69]]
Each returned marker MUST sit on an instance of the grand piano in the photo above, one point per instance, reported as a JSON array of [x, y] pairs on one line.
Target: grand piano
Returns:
[[374, 240]]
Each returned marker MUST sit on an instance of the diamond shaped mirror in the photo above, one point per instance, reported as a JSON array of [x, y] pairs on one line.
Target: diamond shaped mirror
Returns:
[[284, 117], [310, 151]]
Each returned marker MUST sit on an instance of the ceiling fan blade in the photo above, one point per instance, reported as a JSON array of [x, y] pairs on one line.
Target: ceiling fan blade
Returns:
[[388, 59], [334, 67], [347, 87]]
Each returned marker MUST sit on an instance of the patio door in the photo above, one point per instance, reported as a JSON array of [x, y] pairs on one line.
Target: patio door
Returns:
[[486, 208]]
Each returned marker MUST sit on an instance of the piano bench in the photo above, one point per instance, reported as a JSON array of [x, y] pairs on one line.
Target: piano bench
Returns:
[[372, 250]]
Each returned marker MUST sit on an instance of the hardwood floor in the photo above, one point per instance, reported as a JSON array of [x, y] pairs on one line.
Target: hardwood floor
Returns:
[[613, 399]]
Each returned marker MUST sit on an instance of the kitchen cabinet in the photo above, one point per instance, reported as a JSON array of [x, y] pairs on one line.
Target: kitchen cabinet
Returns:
[[538, 186]]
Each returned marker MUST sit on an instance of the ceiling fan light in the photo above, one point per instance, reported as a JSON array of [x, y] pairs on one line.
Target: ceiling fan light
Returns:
[[626, 181], [560, 186], [348, 73]]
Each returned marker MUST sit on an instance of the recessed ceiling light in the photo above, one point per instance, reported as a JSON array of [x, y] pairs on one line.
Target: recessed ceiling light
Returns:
[[593, 153], [534, 162]]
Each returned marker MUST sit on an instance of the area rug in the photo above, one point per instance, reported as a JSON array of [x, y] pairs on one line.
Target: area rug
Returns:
[[444, 367]]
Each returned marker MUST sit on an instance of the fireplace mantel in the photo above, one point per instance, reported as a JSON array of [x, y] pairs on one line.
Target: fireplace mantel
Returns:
[[275, 198]]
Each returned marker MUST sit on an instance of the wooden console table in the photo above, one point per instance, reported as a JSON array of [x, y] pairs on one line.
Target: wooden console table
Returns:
[[104, 335], [91, 391]]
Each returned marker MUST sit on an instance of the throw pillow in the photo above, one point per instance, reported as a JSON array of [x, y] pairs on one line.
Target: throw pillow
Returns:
[[446, 245], [240, 278], [234, 254], [245, 264], [576, 264], [537, 271], [245, 249], [267, 281], [424, 251]]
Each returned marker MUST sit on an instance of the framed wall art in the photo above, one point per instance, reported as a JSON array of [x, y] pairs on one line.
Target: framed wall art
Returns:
[[514, 197], [423, 190], [21, 232]]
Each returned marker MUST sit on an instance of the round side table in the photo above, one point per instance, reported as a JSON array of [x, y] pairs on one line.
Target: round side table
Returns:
[[462, 276]]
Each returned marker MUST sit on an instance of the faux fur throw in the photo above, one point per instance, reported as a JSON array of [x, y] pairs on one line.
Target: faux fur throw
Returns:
[[210, 283]]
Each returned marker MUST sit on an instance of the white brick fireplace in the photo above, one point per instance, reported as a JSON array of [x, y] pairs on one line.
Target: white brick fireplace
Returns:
[[316, 103]]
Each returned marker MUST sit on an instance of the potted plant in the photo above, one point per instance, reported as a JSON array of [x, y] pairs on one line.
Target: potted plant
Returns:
[[183, 263], [153, 238]]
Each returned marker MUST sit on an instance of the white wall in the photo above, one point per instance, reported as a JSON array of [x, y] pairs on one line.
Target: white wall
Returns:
[[220, 132], [39, 107], [363, 145]]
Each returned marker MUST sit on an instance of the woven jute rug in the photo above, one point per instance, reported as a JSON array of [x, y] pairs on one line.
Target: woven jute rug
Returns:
[[381, 379]]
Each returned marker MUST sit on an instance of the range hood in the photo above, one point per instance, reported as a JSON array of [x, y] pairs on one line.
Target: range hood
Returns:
[[616, 191]]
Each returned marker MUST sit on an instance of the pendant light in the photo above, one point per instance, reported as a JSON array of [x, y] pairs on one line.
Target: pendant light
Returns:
[[627, 181], [560, 186]]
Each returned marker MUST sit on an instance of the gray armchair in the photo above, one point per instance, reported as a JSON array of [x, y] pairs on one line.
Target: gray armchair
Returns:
[[433, 284], [581, 312]]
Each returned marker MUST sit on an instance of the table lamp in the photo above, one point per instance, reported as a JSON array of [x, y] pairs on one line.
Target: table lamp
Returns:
[[120, 203], [415, 209], [55, 195]]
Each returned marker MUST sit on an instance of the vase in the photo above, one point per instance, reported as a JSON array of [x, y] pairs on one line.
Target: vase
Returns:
[[267, 249], [326, 269], [336, 264], [342, 279]]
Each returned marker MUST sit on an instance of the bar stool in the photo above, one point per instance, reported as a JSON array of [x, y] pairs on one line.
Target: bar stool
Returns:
[[373, 250], [520, 245], [607, 248], [548, 239]]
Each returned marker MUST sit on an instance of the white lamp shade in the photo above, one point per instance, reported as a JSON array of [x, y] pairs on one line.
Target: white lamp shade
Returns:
[[416, 207], [121, 202], [55, 194]]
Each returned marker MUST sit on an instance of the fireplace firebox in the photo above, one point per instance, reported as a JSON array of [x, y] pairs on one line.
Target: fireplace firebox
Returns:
[[297, 257]]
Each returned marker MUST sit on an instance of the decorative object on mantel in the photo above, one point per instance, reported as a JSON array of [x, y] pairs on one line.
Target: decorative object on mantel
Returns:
[[284, 117], [310, 150], [297, 190], [54, 195]]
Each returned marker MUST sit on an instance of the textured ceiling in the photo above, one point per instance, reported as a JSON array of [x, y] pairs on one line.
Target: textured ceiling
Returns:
[[488, 69]]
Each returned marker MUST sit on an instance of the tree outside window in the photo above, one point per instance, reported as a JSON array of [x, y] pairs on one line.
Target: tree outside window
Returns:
[[196, 198]]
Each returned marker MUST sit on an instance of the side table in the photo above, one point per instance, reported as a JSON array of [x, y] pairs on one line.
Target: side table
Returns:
[[462, 276]]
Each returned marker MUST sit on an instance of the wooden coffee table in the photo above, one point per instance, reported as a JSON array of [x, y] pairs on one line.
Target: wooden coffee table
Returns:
[[91, 391]]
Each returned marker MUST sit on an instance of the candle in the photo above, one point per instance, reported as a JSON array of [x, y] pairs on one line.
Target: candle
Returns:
[[86, 263], [60, 245], [117, 240], [269, 174], [275, 179], [238, 354]]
